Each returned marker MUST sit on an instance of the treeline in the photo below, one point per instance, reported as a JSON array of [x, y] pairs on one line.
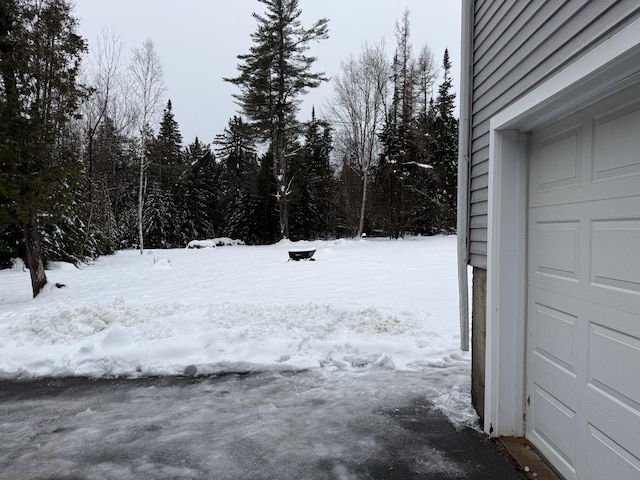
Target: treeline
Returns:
[[95, 165]]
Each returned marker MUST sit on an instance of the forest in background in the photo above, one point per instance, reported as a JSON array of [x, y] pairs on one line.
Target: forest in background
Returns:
[[92, 159]]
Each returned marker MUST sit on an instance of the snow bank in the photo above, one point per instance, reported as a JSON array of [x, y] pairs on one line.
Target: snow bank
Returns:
[[214, 242]]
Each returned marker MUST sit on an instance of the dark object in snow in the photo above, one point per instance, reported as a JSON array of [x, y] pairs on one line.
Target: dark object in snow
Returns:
[[191, 371], [60, 285], [301, 255]]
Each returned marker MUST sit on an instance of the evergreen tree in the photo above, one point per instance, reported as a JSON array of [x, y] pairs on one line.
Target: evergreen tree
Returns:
[[40, 56], [167, 165], [262, 209], [160, 214], [444, 131], [196, 199], [423, 209], [401, 173], [125, 199], [11, 245], [321, 183], [236, 152], [301, 210], [272, 77]]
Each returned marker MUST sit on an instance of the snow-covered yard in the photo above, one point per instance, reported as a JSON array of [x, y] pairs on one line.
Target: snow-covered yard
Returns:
[[362, 306]]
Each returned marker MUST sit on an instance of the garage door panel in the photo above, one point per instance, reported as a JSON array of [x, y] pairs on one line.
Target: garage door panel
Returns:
[[616, 151], [615, 258], [605, 455], [554, 337], [554, 424], [608, 347], [557, 249], [557, 173], [559, 161], [556, 245]]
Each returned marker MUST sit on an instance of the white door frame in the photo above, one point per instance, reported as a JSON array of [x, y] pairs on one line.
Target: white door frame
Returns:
[[611, 66]]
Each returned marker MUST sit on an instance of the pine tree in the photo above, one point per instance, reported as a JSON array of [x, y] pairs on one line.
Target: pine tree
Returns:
[[272, 77], [160, 212], [321, 183], [403, 167], [301, 210], [262, 212], [196, 196], [125, 191], [236, 152], [40, 56], [167, 165], [444, 130]]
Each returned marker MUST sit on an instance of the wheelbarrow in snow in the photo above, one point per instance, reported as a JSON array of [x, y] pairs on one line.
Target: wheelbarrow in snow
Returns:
[[297, 255]]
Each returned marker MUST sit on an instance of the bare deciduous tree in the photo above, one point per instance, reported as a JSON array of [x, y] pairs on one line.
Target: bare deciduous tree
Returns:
[[106, 101], [148, 91], [357, 110]]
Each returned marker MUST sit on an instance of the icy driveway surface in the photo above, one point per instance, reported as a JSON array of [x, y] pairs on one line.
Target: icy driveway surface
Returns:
[[377, 424]]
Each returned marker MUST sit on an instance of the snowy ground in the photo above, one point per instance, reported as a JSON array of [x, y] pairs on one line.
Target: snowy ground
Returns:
[[362, 308]]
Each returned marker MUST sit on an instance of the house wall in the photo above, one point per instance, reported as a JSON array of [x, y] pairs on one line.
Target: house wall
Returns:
[[516, 47]]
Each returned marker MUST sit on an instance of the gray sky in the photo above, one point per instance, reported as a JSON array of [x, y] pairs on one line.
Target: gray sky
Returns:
[[198, 41]]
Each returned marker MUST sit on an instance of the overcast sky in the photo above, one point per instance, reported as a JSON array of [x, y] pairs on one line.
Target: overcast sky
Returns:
[[198, 41]]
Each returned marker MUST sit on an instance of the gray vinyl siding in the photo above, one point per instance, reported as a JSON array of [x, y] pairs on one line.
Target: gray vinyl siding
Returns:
[[516, 46]]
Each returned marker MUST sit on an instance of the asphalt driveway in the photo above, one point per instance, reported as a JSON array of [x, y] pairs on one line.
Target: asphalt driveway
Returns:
[[281, 426]]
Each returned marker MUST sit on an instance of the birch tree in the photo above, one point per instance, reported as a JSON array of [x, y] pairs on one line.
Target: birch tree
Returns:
[[357, 110], [105, 108], [148, 91]]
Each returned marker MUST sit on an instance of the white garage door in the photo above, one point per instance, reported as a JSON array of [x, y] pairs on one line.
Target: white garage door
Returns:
[[583, 321]]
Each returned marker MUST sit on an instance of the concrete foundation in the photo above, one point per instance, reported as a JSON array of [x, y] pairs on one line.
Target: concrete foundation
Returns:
[[478, 339]]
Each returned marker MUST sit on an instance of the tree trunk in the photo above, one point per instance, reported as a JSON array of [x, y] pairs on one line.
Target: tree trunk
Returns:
[[35, 262], [284, 216], [280, 173], [141, 205], [365, 183]]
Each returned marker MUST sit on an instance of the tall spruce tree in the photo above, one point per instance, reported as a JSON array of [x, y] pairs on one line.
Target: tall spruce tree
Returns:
[[272, 77], [444, 131], [40, 54], [236, 152], [403, 168], [165, 166], [167, 163], [321, 183], [301, 211], [196, 196]]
